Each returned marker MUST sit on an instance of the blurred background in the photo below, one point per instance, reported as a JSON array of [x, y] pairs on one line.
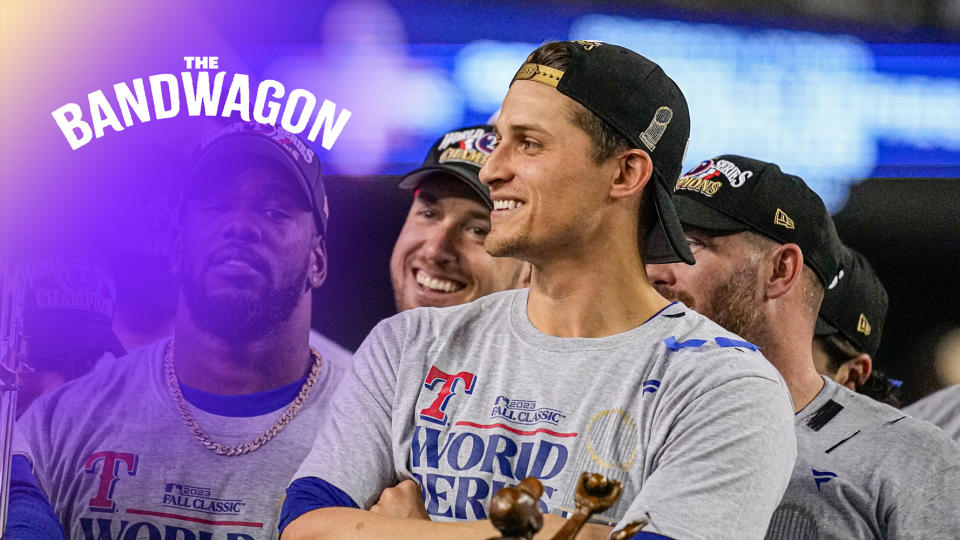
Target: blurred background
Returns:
[[859, 97]]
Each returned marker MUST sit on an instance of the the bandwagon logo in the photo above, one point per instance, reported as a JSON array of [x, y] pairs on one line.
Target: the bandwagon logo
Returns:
[[524, 412], [202, 97]]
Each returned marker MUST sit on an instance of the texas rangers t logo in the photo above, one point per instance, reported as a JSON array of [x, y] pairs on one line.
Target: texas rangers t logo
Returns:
[[109, 474], [435, 412]]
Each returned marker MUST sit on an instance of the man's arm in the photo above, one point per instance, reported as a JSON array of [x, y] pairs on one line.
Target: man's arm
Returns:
[[30, 515], [922, 491], [351, 523], [352, 459]]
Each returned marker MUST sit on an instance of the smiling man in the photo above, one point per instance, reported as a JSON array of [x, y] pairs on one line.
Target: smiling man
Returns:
[[195, 436], [587, 370], [439, 259]]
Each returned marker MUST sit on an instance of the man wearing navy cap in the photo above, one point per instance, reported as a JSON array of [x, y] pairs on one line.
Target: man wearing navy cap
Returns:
[[194, 436], [766, 250], [587, 370]]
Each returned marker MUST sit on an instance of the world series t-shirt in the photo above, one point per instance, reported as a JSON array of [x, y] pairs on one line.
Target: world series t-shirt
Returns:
[[117, 461], [692, 420]]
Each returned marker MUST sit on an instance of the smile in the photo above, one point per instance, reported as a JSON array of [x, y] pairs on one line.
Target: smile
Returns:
[[507, 204], [437, 284], [237, 264]]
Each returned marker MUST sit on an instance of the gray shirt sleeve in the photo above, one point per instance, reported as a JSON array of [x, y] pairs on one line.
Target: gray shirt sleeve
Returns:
[[724, 464], [353, 449], [33, 438], [924, 494]]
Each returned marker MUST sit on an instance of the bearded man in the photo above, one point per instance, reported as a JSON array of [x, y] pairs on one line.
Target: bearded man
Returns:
[[195, 436]]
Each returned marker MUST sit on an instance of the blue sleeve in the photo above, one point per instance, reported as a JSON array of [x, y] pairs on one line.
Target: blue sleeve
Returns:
[[309, 493], [643, 535], [30, 515]]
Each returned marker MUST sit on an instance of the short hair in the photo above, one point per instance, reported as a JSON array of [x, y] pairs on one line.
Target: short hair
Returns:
[[607, 141], [877, 385], [811, 287]]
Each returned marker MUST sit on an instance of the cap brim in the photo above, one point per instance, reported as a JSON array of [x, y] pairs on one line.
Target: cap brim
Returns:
[[464, 174], [55, 335], [667, 242], [696, 214], [240, 143]]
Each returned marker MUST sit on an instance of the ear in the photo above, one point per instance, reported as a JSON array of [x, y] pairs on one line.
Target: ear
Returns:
[[854, 372], [784, 270], [176, 250], [634, 170], [317, 272]]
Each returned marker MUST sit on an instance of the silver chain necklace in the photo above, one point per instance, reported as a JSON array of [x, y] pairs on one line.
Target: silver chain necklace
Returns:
[[174, 385]]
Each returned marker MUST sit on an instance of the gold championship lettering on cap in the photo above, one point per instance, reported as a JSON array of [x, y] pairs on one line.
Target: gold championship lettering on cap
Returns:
[[539, 73], [463, 155]]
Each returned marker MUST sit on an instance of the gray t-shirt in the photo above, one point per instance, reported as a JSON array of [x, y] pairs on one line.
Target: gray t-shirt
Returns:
[[942, 409], [118, 462], [694, 422], [867, 470]]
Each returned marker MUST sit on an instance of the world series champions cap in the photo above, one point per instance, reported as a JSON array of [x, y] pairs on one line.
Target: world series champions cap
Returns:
[[633, 95], [281, 147], [68, 307], [734, 193], [460, 153], [857, 307]]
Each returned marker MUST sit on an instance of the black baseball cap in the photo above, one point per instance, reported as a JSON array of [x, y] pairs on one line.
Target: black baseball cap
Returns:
[[288, 151], [856, 307], [639, 100], [734, 193], [460, 153]]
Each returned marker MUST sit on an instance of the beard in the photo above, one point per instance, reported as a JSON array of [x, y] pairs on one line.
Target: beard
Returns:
[[243, 318], [735, 305], [519, 241], [510, 246]]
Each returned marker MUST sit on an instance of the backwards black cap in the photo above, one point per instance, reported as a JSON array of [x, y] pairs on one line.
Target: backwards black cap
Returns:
[[286, 149], [460, 153], [639, 100], [734, 193], [857, 307]]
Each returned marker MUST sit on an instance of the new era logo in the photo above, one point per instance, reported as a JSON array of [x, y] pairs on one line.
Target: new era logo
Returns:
[[782, 219], [863, 325]]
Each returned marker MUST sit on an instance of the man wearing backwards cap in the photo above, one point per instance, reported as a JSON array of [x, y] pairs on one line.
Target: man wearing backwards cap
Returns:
[[766, 249], [848, 330], [438, 259], [195, 436], [588, 370]]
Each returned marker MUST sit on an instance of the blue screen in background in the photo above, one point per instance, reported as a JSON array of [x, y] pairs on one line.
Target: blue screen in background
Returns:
[[832, 108]]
